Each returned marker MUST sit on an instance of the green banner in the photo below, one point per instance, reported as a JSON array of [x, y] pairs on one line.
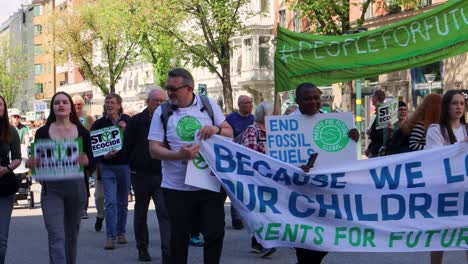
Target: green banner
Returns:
[[323, 60]]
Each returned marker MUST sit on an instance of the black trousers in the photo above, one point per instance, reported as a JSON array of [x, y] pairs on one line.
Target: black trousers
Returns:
[[307, 256], [184, 207], [147, 187]]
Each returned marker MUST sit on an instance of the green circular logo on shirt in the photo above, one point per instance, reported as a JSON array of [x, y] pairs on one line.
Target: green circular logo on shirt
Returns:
[[186, 128], [331, 135], [200, 163]]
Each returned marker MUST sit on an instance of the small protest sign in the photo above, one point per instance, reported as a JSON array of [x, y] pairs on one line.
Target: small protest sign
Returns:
[[199, 175], [105, 140], [293, 138], [58, 159], [387, 113]]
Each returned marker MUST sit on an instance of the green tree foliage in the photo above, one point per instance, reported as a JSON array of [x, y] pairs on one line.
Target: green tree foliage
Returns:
[[159, 46], [14, 68], [100, 36], [203, 30]]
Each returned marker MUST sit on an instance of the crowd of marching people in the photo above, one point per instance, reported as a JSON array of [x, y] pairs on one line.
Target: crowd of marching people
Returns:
[[159, 142]]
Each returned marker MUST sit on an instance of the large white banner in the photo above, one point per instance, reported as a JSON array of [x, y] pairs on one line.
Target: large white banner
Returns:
[[409, 202], [293, 138]]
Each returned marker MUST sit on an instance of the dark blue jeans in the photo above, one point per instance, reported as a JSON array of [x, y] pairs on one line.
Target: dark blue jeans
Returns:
[[116, 183], [6, 207]]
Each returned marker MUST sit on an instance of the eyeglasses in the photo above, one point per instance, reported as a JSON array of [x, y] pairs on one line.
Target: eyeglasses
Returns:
[[157, 100], [175, 89]]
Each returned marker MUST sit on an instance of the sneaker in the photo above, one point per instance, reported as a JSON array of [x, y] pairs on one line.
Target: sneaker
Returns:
[[143, 255], [237, 224], [121, 239], [268, 252], [109, 244], [84, 215], [98, 224], [196, 241], [257, 249]]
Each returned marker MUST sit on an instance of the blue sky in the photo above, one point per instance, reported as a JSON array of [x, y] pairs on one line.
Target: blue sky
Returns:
[[8, 7]]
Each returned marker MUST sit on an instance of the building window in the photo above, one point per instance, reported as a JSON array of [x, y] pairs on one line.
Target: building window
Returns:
[[37, 50], [427, 79], [37, 30], [49, 86], [39, 88], [264, 52], [282, 18], [38, 69], [297, 21], [38, 10], [264, 6], [370, 9], [426, 3], [248, 53]]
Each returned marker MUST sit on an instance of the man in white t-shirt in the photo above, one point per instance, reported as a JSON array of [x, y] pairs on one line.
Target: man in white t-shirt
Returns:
[[175, 147]]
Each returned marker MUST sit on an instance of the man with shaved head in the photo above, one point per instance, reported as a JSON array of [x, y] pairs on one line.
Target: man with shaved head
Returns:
[[239, 121], [146, 178]]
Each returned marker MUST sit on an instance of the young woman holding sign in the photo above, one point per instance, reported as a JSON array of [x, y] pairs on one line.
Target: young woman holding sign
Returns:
[[451, 129], [62, 200], [115, 174], [9, 144]]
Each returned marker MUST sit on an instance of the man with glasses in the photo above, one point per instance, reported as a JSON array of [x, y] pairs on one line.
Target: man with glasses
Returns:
[[239, 121], [146, 178], [23, 131], [173, 142]]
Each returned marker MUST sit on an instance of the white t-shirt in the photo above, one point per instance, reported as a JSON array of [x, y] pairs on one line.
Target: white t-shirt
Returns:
[[180, 131], [434, 137]]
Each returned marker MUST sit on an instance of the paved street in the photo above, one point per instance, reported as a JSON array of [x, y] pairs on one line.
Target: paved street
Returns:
[[28, 244]]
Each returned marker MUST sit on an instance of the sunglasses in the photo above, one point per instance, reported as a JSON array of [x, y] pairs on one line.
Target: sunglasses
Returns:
[[175, 89]]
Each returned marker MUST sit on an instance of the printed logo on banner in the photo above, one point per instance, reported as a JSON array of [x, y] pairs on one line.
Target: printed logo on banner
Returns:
[[331, 135], [186, 128], [200, 163]]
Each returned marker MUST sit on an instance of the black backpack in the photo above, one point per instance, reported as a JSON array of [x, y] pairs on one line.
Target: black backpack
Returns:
[[167, 110]]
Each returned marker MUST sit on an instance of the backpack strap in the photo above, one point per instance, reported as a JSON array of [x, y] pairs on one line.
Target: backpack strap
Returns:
[[165, 114], [207, 106]]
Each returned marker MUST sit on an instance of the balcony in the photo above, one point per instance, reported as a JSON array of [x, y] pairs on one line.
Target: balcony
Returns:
[[253, 76]]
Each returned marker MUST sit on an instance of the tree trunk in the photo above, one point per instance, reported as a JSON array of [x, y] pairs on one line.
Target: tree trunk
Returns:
[[347, 97], [227, 91], [226, 71]]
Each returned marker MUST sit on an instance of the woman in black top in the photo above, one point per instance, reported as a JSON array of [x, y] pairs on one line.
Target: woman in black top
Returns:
[[62, 200], [9, 143]]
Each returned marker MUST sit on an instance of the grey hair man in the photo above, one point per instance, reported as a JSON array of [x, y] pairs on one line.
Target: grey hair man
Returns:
[[173, 142], [146, 177]]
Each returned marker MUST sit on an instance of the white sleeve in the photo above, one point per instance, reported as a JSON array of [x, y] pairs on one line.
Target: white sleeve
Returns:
[[218, 114], [156, 132], [434, 137]]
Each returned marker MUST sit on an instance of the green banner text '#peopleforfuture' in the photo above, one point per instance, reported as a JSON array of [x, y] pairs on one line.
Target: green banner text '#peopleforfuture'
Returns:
[[420, 40]]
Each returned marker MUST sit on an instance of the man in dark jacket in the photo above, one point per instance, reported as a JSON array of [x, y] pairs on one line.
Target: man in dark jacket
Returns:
[[376, 135], [146, 178]]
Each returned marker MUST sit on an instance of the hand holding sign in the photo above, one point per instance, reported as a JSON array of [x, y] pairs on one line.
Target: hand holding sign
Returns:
[[83, 159], [354, 134], [189, 151], [111, 154]]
